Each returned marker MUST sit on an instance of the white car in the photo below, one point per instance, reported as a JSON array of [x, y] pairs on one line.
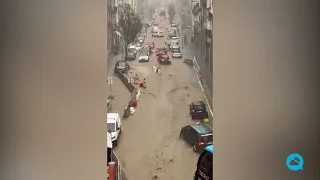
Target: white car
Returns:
[[138, 47], [176, 55], [114, 126], [143, 57], [174, 38], [154, 34], [160, 34], [132, 48]]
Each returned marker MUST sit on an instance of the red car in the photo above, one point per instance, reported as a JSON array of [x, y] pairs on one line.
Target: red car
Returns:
[[164, 59], [150, 44], [161, 51]]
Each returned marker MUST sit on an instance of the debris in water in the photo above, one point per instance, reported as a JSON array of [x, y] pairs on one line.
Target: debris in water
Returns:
[[155, 176]]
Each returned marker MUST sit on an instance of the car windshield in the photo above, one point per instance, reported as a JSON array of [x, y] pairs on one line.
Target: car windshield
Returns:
[[130, 53], [175, 50], [111, 127], [206, 138], [122, 64], [199, 107]]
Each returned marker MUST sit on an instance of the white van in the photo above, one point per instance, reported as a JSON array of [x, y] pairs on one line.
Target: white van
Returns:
[[114, 126]]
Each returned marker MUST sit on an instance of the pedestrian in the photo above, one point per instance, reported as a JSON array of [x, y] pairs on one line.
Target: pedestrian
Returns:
[[109, 147]]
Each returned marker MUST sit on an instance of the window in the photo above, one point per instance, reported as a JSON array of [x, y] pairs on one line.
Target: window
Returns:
[[198, 108], [111, 127], [206, 138]]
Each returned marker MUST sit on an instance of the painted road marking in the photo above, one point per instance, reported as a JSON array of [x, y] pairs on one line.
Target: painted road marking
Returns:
[[201, 87]]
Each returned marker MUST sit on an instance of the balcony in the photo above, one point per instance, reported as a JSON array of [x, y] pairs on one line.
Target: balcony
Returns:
[[196, 8]]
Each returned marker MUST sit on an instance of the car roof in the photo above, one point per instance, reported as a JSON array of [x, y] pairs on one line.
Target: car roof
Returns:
[[202, 128], [164, 55], [209, 149], [198, 103], [112, 115]]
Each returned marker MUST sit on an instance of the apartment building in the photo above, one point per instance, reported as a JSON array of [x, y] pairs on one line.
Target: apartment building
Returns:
[[202, 22]]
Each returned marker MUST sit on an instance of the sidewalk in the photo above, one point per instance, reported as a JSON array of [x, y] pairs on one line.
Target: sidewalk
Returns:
[[121, 96], [189, 50]]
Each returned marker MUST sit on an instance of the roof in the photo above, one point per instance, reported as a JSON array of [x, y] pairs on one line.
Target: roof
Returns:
[[164, 55], [209, 149], [112, 115], [198, 103], [202, 128]]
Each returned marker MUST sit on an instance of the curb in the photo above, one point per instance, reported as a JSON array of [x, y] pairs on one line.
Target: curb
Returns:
[[201, 86]]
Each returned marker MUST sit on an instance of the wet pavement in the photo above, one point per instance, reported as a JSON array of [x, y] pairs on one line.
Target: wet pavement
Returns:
[[149, 143]]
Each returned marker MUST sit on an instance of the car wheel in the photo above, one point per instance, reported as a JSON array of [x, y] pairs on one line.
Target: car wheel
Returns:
[[194, 148], [115, 143], [181, 135]]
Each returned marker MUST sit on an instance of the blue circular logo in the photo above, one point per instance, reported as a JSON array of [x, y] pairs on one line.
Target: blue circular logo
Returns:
[[295, 162]]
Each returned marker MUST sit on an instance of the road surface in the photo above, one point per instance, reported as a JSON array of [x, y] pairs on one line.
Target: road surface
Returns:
[[150, 141]]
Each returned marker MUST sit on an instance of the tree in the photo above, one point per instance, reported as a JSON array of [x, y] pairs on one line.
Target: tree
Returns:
[[130, 23], [171, 11]]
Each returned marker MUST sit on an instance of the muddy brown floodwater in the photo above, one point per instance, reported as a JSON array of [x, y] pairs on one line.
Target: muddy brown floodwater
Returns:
[[149, 143]]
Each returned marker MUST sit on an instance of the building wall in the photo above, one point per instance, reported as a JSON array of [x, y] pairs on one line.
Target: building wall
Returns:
[[109, 22], [266, 95], [203, 39]]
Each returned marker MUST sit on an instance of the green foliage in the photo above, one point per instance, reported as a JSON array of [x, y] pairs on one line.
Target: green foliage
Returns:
[[130, 23]]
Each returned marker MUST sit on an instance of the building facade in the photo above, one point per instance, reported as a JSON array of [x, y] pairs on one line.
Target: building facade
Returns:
[[202, 23], [112, 10]]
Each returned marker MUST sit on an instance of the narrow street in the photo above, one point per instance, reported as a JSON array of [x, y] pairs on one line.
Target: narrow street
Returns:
[[150, 142]]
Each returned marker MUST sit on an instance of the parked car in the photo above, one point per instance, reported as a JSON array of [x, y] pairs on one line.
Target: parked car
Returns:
[[132, 48], [163, 59], [114, 127], [174, 25], [198, 110], [172, 33], [143, 57], [121, 66], [172, 45], [175, 39], [140, 39], [131, 56], [198, 135], [146, 50], [175, 51], [150, 44], [138, 47]]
